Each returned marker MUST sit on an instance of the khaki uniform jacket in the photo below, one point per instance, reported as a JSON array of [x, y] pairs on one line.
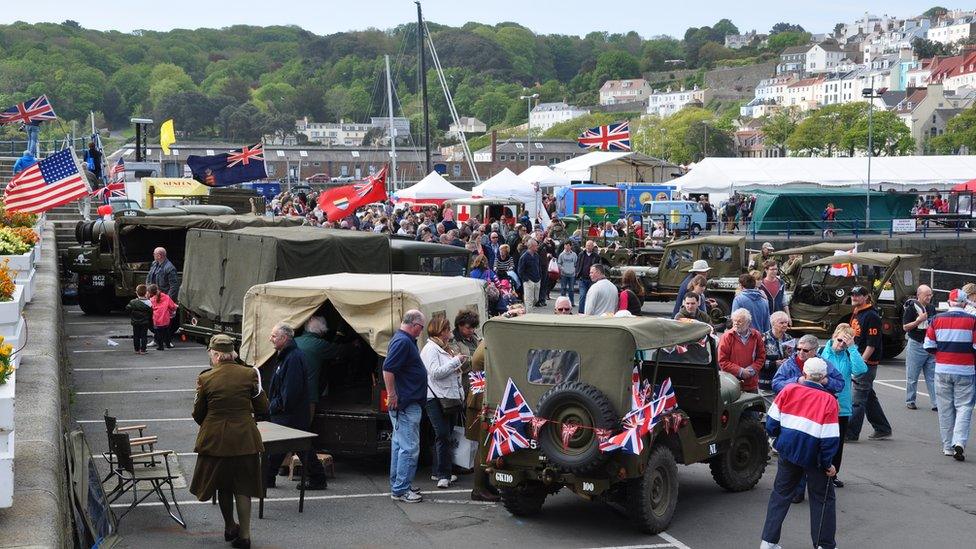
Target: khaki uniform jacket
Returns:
[[227, 397]]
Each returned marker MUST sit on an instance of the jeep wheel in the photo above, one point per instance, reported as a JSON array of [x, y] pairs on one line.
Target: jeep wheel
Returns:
[[94, 304], [741, 467], [584, 405], [653, 497], [720, 313], [891, 347], [524, 500]]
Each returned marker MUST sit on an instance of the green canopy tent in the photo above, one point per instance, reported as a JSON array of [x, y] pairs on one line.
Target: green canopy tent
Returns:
[[803, 209]]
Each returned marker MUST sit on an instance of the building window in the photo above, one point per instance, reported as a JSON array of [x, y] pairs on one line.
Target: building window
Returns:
[[344, 170], [456, 170], [519, 146], [501, 158], [521, 157], [538, 145], [532, 157]]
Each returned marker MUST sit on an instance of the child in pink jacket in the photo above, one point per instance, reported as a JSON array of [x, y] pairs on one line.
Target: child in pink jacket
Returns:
[[163, 310]]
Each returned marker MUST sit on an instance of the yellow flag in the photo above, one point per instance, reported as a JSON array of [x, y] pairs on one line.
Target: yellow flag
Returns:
[[167, 135]]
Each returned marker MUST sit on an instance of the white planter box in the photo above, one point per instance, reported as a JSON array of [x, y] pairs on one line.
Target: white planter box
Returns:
[[10, 310], [7, 394], [6, 468], [37, 252], [28, 280], [22, 262]]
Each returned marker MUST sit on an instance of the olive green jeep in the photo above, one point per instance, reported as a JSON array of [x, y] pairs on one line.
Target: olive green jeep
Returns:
[[578, 371]]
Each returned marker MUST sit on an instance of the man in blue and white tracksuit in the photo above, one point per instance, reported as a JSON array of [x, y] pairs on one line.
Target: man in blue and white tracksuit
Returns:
[[804, 421]]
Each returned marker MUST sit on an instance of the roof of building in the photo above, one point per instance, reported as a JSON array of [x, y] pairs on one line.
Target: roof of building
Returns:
[[793, 50], [830, 46], [806, 82], [539, 146], [913, 99], [618, 85], [294, 153], [556, 106]]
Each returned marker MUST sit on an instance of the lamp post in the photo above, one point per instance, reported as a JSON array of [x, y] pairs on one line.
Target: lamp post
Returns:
[[870, 94], [528, 127]]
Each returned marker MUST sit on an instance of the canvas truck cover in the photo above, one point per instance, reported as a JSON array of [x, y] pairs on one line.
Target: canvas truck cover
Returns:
[[605, 348], [222, 265], [372, 304]]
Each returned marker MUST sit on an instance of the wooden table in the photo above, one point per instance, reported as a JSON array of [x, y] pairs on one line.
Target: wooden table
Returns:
[[279, 439]]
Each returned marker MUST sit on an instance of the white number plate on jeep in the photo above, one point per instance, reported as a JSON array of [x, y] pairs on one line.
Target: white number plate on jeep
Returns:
[[504, 477], [98, 280]]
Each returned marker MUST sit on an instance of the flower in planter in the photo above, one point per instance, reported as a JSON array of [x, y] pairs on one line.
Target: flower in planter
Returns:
[[6, 364], [26, 234], [16, 219], [11, 243], [7, 286]]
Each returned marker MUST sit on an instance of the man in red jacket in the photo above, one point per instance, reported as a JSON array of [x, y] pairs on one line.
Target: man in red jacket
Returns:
[[741, 351]]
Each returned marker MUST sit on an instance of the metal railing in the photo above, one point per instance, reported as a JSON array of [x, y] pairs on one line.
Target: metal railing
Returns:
[[956, 275], [854, 228], [14, 149]]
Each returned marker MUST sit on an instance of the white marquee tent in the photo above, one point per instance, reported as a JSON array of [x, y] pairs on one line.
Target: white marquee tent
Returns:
[[505, 184], [432, 189], [723, 175], [544, 177]]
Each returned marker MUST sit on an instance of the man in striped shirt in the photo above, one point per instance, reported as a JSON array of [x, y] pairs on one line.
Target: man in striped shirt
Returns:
[[951, 337], [804, 421]]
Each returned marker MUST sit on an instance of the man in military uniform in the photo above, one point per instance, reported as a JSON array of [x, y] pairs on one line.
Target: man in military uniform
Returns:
[[758, 259]]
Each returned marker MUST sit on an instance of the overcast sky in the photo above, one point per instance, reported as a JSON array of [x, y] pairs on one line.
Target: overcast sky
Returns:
[[647, 17]]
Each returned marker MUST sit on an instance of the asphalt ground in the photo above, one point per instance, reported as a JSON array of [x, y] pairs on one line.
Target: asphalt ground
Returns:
[[900, 492]]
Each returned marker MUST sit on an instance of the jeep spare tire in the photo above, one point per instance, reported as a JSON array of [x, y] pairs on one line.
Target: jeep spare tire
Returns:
[[583, 405]]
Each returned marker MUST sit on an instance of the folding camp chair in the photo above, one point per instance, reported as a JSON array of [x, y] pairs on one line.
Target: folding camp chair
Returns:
[[145, 444], [132, 472]]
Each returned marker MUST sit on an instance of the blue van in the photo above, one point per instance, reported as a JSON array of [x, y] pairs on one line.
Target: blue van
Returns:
[[682, 215]]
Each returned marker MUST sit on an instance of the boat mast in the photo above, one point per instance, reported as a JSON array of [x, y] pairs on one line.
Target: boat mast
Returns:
[[423, 86], [389, 102]]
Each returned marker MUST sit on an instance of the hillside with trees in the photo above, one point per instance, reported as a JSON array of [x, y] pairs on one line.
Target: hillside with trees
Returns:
[[242, 82]]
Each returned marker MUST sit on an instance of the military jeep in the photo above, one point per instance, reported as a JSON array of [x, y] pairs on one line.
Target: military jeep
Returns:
[[822, 297], [577, 370], [726, 255]]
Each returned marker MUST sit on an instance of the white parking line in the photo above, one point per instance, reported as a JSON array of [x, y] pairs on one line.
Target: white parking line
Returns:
[[126, 368], [181, 454], [135, 392], [897, 387], [671, 542], [154, 420], [671, 539], [308, 498]]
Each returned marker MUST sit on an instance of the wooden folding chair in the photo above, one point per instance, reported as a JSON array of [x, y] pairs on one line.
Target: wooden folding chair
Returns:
[[145, 444], [132, 472]]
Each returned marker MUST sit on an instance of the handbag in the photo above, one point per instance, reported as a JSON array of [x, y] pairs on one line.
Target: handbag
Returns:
[[449, 406]]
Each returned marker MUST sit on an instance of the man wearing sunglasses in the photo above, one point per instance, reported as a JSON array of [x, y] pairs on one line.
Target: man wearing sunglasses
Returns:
[[866, 323], [563, 306]]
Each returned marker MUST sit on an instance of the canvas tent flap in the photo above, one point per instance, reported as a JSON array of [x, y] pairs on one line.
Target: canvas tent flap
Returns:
[[646, 332], [432, 188], [504, 184], [905, 172], [874, 259], [372, 304], [802, 208], [544, 177], [222, 265]]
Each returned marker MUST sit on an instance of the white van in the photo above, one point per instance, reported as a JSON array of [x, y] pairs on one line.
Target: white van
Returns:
[[682, 215]]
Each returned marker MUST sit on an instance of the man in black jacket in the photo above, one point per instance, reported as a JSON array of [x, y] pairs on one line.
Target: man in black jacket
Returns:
[[588, 257]]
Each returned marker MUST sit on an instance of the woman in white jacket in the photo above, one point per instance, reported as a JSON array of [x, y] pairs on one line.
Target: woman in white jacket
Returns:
[[443, 382]]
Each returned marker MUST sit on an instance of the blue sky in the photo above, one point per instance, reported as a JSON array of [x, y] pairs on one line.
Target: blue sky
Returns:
[[579, 17]]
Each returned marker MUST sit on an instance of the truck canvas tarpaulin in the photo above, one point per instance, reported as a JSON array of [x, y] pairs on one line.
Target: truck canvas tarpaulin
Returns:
[[222, 265]]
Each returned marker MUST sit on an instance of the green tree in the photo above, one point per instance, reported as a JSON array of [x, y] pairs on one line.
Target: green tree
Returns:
[[492, 108], [277, 95], [785, 27], [890, 136], [658, 51], [571, 129], [168, 79], [778, 127], [926, 49], [724, 28], [780, 41], [243, 123], [346, 102], [935, 12], [960, 132], [616, 64]]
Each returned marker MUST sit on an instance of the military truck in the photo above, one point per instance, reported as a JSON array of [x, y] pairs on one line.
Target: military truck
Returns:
[[362, 312], [113, 256], [822, 297], [221, 265], [726, 255], [578, 371]]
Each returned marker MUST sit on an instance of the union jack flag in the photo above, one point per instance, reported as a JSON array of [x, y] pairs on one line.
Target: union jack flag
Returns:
[[665, 393], [31, 112], [477, 380], [508, 430], [636, 425], [112, 190], [117, 173], [245, 155], [612, 137]]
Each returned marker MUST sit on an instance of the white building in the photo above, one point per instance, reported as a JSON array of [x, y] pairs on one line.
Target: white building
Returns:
[[949, 31], [331, 133], [805, 94], [468, 124], [547, 115], [624, 91], [669, 102], [736, 41]]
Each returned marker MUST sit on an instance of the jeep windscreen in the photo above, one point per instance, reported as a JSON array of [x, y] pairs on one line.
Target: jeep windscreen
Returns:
[[450, 265], [698, 353], [677, 255], [712, 252]]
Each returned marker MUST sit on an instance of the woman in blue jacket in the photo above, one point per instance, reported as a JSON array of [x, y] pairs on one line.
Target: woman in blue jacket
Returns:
[[842, 354]]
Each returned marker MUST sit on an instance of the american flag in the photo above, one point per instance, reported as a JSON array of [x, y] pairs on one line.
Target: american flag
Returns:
[[118, 171], [508, 430], [477, 380], [612, 137], [665, 393], [49, 183], [33, 112]]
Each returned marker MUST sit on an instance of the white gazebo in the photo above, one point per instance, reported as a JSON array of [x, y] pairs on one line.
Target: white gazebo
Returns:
[[505, 184], [544, 177], [432, 189]]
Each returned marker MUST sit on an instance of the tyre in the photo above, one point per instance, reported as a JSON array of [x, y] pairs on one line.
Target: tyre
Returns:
[[586, 406], [653, 497], [720, 313], [891, 347], [696, 229], [741, 467], [524, 500], [94, 304]]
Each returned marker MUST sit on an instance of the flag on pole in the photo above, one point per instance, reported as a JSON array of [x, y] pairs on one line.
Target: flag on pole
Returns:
[[112, 190], [342, 201], [118, 171], [237, 166], [167, 136], [508, 430], [31, 112], [54, 181], [612, 137]]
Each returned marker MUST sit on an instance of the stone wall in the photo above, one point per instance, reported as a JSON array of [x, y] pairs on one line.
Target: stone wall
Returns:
[[742, 80]]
